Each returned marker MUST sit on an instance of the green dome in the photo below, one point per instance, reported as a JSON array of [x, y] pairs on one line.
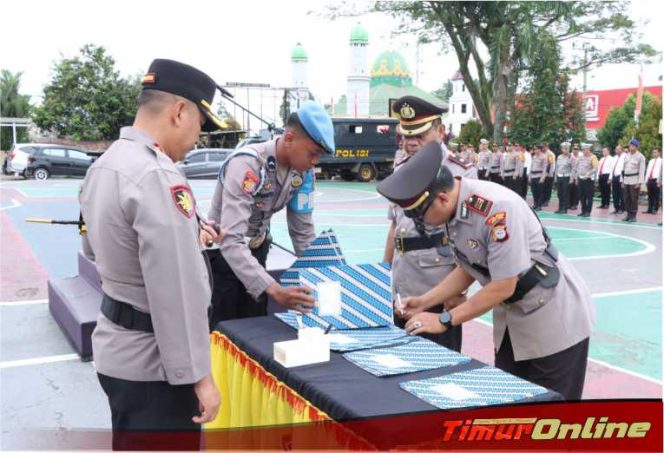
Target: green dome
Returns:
[[391, 68], [359, 35], [298, 53]]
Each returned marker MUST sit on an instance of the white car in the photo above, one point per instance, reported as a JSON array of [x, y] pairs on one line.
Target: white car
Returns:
[[17, 159]]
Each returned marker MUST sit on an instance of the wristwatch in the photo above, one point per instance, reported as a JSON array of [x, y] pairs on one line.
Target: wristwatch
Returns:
[[445, 319]]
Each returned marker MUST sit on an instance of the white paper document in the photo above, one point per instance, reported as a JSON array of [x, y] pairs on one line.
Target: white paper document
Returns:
[[329, 298], [391, 361], [454, 392]]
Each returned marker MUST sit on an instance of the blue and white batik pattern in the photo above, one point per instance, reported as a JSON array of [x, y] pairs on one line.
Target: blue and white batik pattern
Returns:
[[323, 251], [480, 387], [418, 355], [366, 296], [354, 340]]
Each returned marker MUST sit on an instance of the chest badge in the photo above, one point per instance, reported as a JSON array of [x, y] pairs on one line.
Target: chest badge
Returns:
[[183, 199], [260, 204], [472, 243], [297, 181]]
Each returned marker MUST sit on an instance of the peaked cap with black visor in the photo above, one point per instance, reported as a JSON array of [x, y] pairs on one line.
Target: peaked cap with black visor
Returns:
[[417, 182], [188, 82]]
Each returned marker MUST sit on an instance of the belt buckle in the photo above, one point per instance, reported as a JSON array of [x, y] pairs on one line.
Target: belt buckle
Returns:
[[257, 241], [400, 244]]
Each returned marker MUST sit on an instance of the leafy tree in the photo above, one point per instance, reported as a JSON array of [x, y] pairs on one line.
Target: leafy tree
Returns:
[[647, 130], [87, 99], [12, 105], [546, 112], [444, 92], [508, 31], [620, 126], [471, 133]]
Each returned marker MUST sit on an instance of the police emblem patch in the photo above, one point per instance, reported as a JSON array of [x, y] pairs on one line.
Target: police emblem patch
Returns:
[[297, 181], [472, 243], [184, 200], [499, 232], [250, 183], [496, 218]]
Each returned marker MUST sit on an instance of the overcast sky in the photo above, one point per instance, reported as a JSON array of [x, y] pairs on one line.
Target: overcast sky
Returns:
[[238, 41]]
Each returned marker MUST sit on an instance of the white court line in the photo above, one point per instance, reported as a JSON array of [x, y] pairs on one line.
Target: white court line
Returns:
[[649, 248], [606, 222], [15, 204], [631, 291], [599, 362], [38, 360], [20, 303]]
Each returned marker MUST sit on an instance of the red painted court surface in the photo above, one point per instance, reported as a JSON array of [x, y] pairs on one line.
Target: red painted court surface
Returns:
[[45, 386]]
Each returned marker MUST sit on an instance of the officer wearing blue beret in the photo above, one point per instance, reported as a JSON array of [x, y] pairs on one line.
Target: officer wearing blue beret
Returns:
[[254, 183]]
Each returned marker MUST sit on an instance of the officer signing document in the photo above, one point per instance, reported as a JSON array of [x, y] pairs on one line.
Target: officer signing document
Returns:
[[542, 310]]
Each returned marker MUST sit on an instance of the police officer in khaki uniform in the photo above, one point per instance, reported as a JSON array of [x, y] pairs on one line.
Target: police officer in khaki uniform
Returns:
[[550, 174], [496, 167], [542, 310], [633, 176], [253, 184], [509, 166], [585, 174], [483, 160], [574, 183], [537, 177], [151, 346], [419, 261], [563, 174]]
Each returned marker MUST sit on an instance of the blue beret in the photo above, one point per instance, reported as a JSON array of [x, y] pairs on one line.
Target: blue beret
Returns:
[[317, 124], [634, 142]]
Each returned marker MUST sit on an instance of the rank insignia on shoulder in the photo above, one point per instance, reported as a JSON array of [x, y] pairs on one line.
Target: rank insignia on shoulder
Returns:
[[478, 204], [184, 200], [499, 232], [496, 218], [250, 183], [297, 181], [459, 161]]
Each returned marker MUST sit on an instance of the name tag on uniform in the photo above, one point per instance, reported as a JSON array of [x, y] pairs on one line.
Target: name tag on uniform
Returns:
[[302, 201]]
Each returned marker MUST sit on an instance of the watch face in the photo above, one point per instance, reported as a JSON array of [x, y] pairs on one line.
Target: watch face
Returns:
[[445, 317]]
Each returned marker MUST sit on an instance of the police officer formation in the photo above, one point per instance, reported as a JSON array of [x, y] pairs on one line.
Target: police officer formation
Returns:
[[576, 172]]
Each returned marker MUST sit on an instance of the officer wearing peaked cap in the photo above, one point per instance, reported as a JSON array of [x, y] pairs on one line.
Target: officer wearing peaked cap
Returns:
[[634, 171], [420, 261], [151, 345], [254, 183], [534, 292]]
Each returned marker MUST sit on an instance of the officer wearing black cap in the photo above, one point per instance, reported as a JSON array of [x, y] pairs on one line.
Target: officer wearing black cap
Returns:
[[419, 261], [254, 183], [542, 309], [151, 345]]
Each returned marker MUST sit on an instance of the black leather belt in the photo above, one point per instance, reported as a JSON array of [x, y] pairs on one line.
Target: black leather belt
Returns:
[[545, 276], [631, 174], [536, 173], [125, 315], [409, 244]]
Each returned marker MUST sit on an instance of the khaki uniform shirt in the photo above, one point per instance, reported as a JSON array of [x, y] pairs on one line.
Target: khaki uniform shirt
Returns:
[[506, 238], [564, 166], [143, 236], [509, 164], [587, 167], [484, 161], [244, 203], [634, 169], [416, 272], [496, 162], [538, 166]]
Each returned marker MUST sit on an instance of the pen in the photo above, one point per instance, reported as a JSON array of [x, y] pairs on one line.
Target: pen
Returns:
[[329, 327], [399, 306]]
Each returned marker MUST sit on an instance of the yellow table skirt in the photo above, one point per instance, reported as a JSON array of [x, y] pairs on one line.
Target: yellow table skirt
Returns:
[[250, 396]]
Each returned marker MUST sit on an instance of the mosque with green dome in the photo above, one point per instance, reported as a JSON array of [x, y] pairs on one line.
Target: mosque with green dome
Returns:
[[370, 92]]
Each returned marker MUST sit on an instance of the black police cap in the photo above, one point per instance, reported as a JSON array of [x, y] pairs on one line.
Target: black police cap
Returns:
[[183, 80], [415, 114], [415, 180]]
